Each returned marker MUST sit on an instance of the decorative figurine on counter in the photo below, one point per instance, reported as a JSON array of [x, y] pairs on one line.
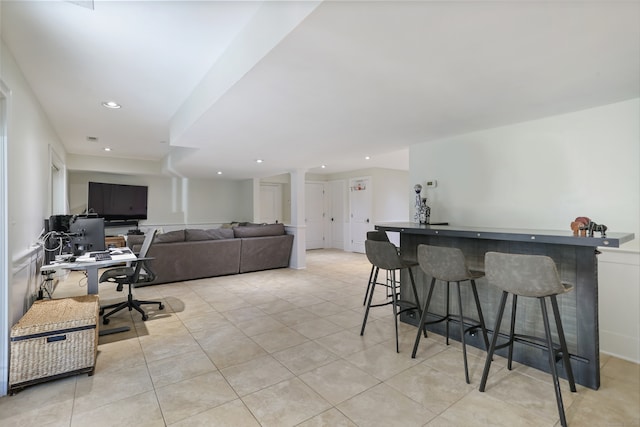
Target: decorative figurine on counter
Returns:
[[423, 212], [583, 225], [601, 228], [418, 189], [579, 226]]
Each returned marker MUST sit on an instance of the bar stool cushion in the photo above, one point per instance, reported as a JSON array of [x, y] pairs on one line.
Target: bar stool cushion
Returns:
[[524, 275], [383, 255], [446, 264], [377, 235]]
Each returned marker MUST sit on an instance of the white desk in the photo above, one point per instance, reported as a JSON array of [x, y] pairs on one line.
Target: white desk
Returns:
[[91, 266]]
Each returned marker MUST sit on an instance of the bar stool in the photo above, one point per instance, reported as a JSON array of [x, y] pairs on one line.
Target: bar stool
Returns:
[[449, 265], [532, 276], [379, 236], [384, 255]]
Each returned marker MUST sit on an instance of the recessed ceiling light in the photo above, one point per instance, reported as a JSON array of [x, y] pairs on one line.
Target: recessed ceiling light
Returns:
[[111, 104], [323, 166], [107, 149], [367, 158], [259, 161], [219, 172]]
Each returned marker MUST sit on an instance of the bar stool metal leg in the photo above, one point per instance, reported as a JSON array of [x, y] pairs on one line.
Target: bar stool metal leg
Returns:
[[366, 312], [464, 344], [514, 304], [394, 297], [366, 295], [446, 325], [483, 326], [494, 340], [552, 362], [422, 326], [563, 344]]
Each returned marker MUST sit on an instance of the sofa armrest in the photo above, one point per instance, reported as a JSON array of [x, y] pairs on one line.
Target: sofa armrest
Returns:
[[263, 253]]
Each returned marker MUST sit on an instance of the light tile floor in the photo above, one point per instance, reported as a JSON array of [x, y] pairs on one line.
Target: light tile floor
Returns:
[[282, 348]]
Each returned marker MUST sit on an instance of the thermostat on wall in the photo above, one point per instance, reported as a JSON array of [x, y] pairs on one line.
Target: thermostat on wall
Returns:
[[432, 183]]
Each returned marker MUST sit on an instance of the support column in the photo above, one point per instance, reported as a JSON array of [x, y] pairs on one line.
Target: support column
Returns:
[[298, 226], [256, 200]]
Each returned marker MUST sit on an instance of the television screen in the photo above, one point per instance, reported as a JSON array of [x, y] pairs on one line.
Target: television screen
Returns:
[[117, 201]]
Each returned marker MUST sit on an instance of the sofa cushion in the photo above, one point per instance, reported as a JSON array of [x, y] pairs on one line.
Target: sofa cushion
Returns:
[[195, 234], [170, 237], [259, 230], [220, 233]]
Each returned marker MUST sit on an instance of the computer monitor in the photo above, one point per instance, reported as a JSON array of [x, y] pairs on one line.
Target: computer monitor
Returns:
[[88, 235]]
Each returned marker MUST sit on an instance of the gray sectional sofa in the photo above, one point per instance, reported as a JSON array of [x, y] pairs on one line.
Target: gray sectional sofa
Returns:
[[195, 254]]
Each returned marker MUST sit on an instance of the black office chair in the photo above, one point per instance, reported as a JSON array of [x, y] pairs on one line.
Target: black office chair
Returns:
[[140, 272]]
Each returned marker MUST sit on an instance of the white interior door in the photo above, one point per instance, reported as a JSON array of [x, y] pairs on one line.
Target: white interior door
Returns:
[[314, 214], [270, 203], [338, 213], [361, 207]]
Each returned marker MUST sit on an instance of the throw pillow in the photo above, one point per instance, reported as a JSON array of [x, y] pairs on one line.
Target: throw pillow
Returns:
[[170, 237], [260, 231], [220, 233], [230, 225], [194, 234]]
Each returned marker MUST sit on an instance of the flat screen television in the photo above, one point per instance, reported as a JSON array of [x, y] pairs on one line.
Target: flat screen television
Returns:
[[117, 202]]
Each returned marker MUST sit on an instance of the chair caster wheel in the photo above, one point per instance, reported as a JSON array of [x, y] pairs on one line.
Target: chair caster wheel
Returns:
[[161, 306], [105, 321], [145, 317]]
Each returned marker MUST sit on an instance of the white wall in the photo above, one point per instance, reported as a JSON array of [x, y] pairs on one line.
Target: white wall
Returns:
[[391, 191], [174, 202], [542, 174], [29, 138]]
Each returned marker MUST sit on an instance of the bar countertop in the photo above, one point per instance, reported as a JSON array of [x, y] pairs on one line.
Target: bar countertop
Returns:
[[562, 237]]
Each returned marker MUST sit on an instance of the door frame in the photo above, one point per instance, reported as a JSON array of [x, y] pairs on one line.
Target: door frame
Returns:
[[5, 99]]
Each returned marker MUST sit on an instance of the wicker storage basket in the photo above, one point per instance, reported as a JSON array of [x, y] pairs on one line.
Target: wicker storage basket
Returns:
[[55, 338]]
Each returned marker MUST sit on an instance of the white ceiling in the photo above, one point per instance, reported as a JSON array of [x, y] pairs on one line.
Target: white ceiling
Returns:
[[213, 85]]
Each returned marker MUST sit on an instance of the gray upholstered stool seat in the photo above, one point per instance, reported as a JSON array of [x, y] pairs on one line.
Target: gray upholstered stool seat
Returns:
[[384, 255], [449, 265], [534, 276]]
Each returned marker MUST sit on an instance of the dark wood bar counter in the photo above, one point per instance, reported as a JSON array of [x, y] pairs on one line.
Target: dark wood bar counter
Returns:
[[576, 259]]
